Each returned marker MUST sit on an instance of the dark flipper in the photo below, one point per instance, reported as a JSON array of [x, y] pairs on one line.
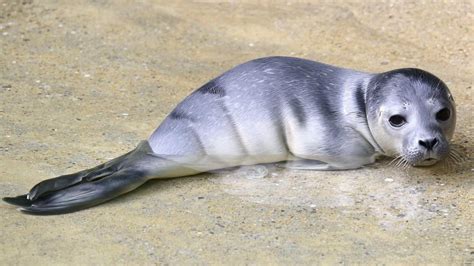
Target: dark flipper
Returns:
[[90, 187], [21, 201], [64, 181], [82, 195]]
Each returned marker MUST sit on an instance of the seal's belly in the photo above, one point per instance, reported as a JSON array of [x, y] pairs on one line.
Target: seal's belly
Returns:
[[238, 134], [220, 133], [262, 111]]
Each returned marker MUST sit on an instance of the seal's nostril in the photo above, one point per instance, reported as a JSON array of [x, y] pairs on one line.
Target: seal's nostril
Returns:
[[422, 143], [429, 143]]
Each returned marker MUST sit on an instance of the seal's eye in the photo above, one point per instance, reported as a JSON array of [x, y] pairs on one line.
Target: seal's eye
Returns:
[[397, 120], [443, 114]]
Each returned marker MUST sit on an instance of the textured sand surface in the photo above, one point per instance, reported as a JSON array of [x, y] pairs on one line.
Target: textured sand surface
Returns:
[[82, 82]]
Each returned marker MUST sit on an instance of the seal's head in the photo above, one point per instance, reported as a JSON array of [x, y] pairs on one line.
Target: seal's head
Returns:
[[411, 115]]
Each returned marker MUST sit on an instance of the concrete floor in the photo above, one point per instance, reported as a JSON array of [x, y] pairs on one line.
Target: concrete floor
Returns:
[[84, 81]]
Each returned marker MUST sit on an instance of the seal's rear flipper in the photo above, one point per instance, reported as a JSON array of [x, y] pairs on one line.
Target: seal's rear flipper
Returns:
[[21, 201], [82, 195], [90, 187]]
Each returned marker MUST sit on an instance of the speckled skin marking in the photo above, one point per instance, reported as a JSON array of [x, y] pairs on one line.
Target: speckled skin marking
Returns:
[[314, 115]]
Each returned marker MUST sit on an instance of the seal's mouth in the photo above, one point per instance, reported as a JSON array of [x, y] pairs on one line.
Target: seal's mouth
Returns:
[[427, 162]]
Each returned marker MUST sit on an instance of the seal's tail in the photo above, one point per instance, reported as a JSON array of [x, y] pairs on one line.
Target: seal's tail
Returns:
[[90, 187]]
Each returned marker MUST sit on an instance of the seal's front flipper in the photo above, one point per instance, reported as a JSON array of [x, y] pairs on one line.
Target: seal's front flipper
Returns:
[[90, 187], [304, 164]]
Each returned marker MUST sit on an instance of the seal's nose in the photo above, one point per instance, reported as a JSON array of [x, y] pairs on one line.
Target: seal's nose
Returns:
[[428, 143]]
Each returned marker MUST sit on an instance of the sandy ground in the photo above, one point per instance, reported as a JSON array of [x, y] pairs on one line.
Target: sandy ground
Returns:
[[84, 81]]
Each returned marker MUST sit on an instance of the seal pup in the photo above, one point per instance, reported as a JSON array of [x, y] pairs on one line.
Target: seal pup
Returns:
[[309, 114]]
